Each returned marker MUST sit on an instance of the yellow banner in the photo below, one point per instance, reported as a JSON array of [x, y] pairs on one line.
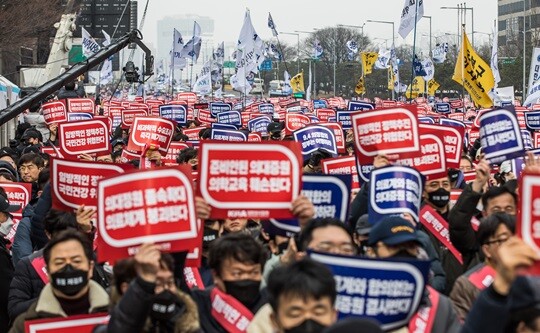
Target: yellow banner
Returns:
[[391, 78], [418, 87], [432, 87], [474, 74], [297, 83], [360, 86], [368, 59]]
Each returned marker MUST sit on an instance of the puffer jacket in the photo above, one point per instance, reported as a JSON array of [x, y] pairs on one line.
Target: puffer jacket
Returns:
[[22, 243]]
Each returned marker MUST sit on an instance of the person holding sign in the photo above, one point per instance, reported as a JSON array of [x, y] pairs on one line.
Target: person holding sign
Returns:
[[68, 259], [395, 237], [302, 298]]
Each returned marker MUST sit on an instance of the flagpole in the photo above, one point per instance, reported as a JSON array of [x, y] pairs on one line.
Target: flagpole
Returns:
[[462, 53], [414, 45], [172, 68], [282, 55]]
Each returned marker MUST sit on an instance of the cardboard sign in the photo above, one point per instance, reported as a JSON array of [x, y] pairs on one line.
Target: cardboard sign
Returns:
[[342, 166], [452, 122], [128, 117], [536, 140], [443, 108], [527, 139], [355, 106], [18, 194], [77, 116], [49, 151], [295, 122], [532, 120], [500, 136], [205, 117], [79, 324], [250, 180], [388, 291], [338, 134], [74, 183], [324, 114], [319, 104], [193, 133], [155, 205], [228, 135], [54, 112], [218, 107], [259, 125], [452, 142], [344, 117], [151, 132], [87, 136], [266, 108], [172, 153], [254, 137], [330, 195], [394, 190], [313, 138], [175, 112], [528, 219], [229, 117], [224, 126], [426, 120], [385, 132], [83, 105]]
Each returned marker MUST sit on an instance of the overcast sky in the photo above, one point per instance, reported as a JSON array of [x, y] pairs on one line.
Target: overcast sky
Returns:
[[291, 15]]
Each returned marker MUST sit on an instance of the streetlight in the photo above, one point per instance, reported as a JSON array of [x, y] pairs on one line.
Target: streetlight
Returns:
[[297, 46], [429, 17], [361, 27], [464, 7], [393, 38]]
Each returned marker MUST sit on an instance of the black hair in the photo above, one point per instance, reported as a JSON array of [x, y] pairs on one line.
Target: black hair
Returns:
[[43, 178], [307, 233], [189, 122], [238, 246], [57, 220], [496, 191], [186, 154], [70, 85], [205, 133], [8, 175], [316, 157], [489, 224], [527, 315], [166, 262], [123, 271], [64, 236], [32, 158], [466, 157], [115, 155], [305, 278]]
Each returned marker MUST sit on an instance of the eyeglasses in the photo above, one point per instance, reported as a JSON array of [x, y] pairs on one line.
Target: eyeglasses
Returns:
[[160, 284], [345, 248], [498, 241], [28, 167]]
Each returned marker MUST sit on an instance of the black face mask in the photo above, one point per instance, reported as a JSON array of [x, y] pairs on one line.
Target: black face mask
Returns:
[[439, 198], [245, 291], [163, 306], [307, 326], [283, 247], [209, 236], [69, 281], [403, 253]]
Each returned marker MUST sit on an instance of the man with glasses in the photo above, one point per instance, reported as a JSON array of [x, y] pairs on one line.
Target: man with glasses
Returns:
[[30, 165], [329, 236], [493, 231]]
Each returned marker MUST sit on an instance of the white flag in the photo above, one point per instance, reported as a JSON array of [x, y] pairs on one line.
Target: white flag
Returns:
[[408, 15], [383, 59], [89, 45], [534, 73], [106, 72], [439, 53], [250, 47], [177, 61], [192, 48], [203, 85], [494, 57], [287, 86], [429, 68], [308, 91]]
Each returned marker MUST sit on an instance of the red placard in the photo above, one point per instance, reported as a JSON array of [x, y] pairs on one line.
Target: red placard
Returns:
[[79, 324], [151, 132], [536, 139], [431, 159], [474, 134], [172, 153], [295, 121], [54, 112], [127, 155], [193, 133], [85, 105], [385, 131], [86, 136], [18, 194], [528, 220], [342, 166], [250, 180], [324, 114], [456, 116], [49, 150], [155, 205], [254, 137], [190, 97], [74, 183], [205, 117], [338, 133], [520, 115], [452, 140], [128, 116]]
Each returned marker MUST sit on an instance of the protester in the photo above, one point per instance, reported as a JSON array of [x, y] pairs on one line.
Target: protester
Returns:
[[6, 217], [302, 298], [36, 119], [152, 301], [68, 258], [6, 274], [494, 230], [395, 237], [30, 165]]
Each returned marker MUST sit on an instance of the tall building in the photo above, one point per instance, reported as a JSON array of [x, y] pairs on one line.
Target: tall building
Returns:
[[512, 16], [184, 24]]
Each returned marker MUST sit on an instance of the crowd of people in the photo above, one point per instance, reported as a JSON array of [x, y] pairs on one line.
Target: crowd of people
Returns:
[[49, 269]]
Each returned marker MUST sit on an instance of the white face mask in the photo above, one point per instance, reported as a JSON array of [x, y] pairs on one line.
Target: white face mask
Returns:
[[5, 227]]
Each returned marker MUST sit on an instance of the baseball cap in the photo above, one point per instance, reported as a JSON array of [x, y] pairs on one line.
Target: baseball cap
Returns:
[[8, 168], [524, 293], [392, 230], [362, 225], [5, 206], [275, 127], [32, 133], [118, 142]]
